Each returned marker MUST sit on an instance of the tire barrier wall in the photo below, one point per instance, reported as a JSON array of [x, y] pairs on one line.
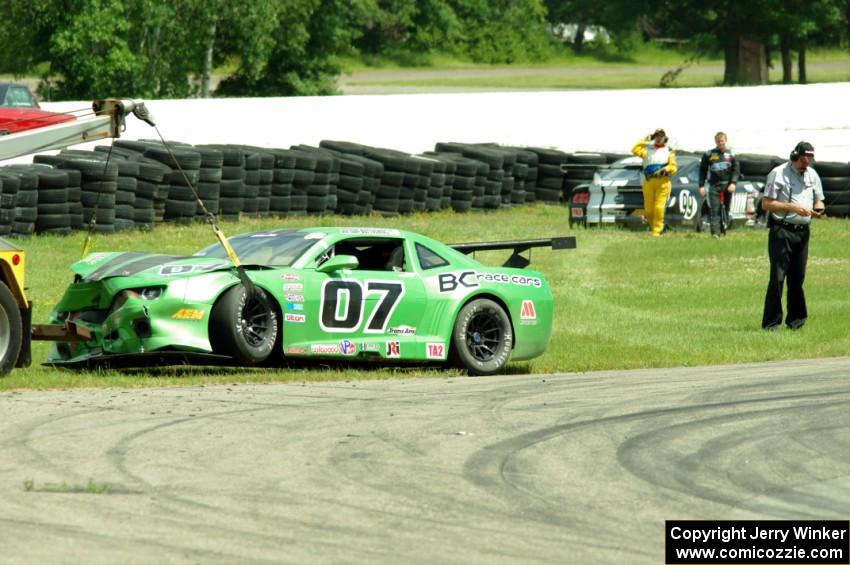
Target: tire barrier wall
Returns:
[[138, 184]]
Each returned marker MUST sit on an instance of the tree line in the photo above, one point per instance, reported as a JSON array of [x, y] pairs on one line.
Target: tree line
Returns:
[[86, 49]]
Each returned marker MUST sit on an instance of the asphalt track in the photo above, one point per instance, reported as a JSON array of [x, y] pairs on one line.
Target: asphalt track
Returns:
[[569, 468]]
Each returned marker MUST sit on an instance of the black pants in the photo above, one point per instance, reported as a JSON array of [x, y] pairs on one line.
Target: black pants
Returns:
[[714, 206], [789, 251]]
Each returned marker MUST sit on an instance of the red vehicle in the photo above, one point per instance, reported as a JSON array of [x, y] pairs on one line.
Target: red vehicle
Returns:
[[19, 110]]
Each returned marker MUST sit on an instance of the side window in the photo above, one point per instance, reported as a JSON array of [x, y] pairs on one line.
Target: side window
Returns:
[[375, 254], [429, 259]]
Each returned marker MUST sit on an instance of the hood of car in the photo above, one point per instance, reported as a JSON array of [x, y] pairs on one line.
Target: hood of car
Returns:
[[99, 266], [21, 119]]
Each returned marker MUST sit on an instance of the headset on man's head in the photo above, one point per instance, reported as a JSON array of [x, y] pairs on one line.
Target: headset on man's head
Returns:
[[803, 150]]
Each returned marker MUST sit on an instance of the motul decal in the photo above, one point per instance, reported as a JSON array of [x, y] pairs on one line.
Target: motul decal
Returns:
[[393, 350], [527, 312], [435, 350]]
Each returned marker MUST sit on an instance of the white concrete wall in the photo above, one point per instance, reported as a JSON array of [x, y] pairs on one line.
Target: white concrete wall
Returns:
[[764, 119]]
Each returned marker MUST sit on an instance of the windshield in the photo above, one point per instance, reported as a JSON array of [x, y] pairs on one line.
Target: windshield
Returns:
[[274, 249]]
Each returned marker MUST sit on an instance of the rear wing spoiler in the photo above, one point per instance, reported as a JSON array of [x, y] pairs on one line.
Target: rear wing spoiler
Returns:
[[517, 246]]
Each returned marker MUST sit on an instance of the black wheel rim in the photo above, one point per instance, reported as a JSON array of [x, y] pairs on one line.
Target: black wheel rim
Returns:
[[255, 322], [484, 335]]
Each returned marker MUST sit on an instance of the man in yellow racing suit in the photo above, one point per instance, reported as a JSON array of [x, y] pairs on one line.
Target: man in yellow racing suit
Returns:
[[659, 164]]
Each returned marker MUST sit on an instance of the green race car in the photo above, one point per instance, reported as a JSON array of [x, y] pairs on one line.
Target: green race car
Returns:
[[331, 293]]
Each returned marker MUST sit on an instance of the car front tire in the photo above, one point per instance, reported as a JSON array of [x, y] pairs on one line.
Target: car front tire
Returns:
[[246, 330]]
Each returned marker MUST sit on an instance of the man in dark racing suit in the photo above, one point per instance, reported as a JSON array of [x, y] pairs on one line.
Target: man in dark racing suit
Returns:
[[722, 170]]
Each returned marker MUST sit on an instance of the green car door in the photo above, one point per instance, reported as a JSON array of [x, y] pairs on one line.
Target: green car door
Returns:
[[360, 298]]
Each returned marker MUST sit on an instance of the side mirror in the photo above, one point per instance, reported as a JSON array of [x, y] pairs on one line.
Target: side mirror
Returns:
[[339, 262]]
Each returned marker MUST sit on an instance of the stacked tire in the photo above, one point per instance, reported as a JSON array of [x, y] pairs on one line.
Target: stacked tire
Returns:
[[580, 168], [98, 186], [467, 181], [494, 187], [399, 177], [209, 179], [835, 179], [181, 206], [231, 184], [322, 194], [550, 177], [9, 186], [54, 206], [26, 203], [369, 182], [438, 194], [755, 167], [125, 185]]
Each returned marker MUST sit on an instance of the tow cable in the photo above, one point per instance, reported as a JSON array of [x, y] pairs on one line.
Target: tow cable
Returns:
[[145, 115]]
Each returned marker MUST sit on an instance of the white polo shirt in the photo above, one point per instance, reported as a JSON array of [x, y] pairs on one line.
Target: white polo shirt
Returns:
[[786, 184]]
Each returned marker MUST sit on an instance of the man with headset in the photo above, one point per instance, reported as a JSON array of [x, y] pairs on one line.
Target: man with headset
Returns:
[[793, 195], [722, 170]]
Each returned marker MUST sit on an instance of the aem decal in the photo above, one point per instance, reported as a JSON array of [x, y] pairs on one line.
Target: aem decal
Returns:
[[188, 314]]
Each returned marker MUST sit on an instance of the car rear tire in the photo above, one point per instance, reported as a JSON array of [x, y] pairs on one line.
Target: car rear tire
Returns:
[[11, 333], [482, 338], [246, 330]]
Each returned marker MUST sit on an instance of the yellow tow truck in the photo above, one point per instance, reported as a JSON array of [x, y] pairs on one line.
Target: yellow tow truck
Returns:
[[106, 120]]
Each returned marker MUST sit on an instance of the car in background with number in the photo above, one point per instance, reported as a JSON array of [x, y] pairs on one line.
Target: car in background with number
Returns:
[[327, 293], [615, 197]]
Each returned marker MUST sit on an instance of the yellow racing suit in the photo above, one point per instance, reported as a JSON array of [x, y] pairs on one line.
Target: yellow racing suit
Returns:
[[659, 164]]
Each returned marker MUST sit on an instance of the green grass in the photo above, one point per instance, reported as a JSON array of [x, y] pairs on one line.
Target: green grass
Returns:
[[622, 299], [597, 69]]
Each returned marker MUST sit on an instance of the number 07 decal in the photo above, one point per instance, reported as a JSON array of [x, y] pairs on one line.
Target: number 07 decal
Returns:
[[343, 303]]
